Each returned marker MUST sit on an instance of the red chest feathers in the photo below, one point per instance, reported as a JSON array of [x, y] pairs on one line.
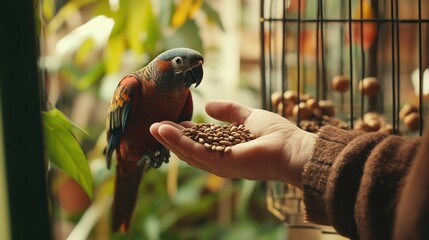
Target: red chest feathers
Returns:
[[150, 108]]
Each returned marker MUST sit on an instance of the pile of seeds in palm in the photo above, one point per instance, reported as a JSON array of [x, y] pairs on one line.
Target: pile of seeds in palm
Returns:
[[219, 138]]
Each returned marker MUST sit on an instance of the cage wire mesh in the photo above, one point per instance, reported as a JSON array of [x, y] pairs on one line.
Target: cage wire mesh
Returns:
[[356, 64]]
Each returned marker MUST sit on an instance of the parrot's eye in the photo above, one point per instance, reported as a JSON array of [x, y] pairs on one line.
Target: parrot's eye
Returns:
[[178, 61]]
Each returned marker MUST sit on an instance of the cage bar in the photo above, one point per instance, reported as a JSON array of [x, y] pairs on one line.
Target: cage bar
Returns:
[[387, 55]]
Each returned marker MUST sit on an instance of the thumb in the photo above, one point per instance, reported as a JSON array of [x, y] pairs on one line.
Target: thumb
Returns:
[[228, 111]]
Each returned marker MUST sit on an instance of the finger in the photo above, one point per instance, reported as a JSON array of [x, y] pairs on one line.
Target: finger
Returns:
[[184, 147], [155, 127], [176, 125], [193, 153], [187, 124], [169, 132], [228, 111], [154, 130]]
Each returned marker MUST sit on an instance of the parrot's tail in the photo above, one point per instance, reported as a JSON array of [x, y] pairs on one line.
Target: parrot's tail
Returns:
[[126, 187]]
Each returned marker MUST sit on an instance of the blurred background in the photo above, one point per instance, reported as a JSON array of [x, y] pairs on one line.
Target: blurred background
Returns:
[[280, 55], [87, 47], [354, 64]]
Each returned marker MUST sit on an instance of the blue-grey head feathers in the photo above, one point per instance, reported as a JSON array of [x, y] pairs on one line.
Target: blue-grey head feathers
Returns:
[[180, 67]]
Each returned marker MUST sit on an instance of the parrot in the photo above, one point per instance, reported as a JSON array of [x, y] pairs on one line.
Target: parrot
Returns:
[[157, 92]]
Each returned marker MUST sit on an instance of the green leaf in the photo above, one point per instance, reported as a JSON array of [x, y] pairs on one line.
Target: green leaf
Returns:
[[212, 15], [151, 26], [83, 79], [91, 76], [142, 30], [64, 150], [180, 14], [113, 53], [135, 31], [84, 51], [187, 35], [70, 8], [62, 120], [48, 8]]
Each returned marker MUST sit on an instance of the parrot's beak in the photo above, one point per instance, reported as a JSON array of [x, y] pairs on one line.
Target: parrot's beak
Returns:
[[197, 73]]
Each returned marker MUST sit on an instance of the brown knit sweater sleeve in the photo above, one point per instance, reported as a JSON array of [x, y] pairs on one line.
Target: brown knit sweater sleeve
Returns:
[[353, 179]]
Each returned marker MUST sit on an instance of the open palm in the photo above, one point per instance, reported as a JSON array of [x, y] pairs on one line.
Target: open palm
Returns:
[[278, 153]]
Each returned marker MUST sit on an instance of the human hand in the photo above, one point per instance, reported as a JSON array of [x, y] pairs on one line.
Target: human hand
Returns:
[[278, 153]]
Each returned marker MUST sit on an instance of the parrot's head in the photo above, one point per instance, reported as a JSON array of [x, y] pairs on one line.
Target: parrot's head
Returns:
[[179, 67]]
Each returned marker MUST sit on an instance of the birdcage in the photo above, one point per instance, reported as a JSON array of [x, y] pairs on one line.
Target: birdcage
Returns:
[[356, 64]]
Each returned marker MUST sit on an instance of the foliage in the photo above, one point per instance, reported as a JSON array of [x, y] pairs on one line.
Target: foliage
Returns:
[[137, 28], [142, 28], [64, 149], [198, 212], [175, 201]]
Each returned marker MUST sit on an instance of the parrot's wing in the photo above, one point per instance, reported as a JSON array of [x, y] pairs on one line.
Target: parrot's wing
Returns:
[[121, 109]]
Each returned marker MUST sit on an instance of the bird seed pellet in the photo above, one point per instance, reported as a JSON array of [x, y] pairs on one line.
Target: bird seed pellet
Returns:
[[219, 138]]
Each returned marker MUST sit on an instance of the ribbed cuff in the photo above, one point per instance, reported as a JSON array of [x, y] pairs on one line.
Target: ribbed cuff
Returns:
[[330, 142], [332, 177], [381, 185]]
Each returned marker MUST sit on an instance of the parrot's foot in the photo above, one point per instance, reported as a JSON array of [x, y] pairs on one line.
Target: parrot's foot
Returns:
[[154, 159]]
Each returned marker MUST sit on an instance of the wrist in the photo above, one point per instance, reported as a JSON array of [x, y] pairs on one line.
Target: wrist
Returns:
[[300, 151]]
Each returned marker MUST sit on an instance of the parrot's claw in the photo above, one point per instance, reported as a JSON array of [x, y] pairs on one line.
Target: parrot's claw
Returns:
[[141, 164], [155, 159], [164, 155]]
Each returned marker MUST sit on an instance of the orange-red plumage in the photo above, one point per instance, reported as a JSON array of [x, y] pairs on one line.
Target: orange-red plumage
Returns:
[[157, 92]]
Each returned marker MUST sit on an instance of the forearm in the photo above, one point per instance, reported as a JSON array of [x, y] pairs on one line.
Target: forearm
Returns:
[[348, 175]]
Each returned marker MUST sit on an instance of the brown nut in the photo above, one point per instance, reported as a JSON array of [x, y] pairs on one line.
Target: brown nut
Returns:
[[291, 96], [387, 129], [217, 137], [369, 86], [373, 120], [276, 99], [340, 83], [309, 126], [304, 97], [285, 108], [374, 124], [304, 112], [327, 107], [311, 104], [318, 112], [407, 109], [361, 125], [412, 121], [371, 116]]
